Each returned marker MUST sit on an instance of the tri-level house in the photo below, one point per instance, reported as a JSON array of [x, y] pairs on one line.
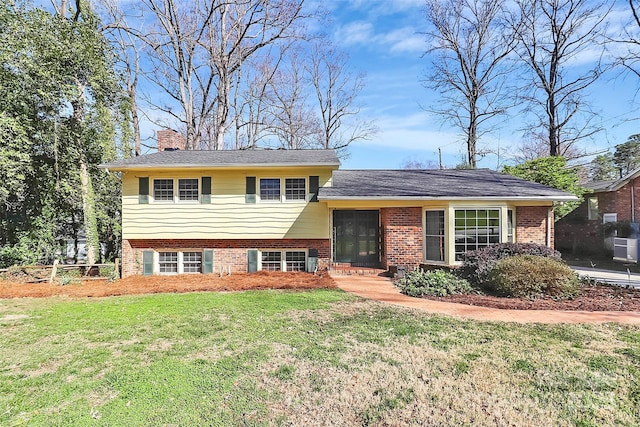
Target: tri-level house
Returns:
[[295, 210]]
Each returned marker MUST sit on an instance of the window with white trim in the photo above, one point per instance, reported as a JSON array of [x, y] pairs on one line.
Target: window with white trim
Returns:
[[592, 206], [475, 229], [271, 261], [192, 262], [270, 189], [296, 261], [434, 235], [283, 260], [168, 262], [163, 190], [510, 226], [188, 189], [609, 217], [295, 189]]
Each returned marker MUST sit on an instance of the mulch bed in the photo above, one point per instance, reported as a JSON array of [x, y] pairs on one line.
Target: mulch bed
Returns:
[[162, 284], [590, 298]]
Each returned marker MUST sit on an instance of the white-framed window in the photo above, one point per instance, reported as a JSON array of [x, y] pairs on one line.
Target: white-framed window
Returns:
[[270, 189], [188, 189], [163, 190], [510, 227], [475, 229], [434, 235], [295, 189], [609, 217], [296, 261], [168, 262], [592, 206], [271, 260], [283, 260], [192, 262]]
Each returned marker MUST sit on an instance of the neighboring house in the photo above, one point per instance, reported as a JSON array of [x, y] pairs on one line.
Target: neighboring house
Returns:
[[605, 201], [290, 210]]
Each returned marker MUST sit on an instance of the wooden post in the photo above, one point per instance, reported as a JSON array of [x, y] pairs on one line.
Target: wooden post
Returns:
[[54, 269], [117, 268]]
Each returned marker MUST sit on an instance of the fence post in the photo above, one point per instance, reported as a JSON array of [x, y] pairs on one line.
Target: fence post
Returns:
[[117, 268], [53, 271]]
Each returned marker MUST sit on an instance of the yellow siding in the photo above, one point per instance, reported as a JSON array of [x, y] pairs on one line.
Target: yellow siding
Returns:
[[227, 216]]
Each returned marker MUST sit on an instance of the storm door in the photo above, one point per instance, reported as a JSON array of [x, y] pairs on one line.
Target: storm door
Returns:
[[356, 237]]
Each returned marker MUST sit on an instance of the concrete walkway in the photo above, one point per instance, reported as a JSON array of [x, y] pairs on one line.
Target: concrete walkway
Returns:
[[382, 289], [608, 276]]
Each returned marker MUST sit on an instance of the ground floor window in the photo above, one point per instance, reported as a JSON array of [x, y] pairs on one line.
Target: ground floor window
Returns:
[[271, 261], [296, 260], [192, 262], [283, 260], [434, 235], [475, 229], [168, 262]]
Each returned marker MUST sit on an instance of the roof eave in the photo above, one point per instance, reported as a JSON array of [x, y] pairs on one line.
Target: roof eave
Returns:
[[214, 166], [427, 198]]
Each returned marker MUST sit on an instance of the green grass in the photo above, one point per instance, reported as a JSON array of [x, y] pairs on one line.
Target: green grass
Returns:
[[300, 358]]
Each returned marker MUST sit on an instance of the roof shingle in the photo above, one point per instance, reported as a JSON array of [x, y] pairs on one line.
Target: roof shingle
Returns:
[[228, 158], [435, 184]]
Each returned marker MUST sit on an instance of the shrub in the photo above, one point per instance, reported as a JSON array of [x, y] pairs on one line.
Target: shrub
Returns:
[[477, 265], [532, 276], [437, 283]]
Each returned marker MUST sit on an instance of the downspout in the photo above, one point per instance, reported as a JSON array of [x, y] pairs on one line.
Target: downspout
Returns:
[[633, 204], [549, 226]]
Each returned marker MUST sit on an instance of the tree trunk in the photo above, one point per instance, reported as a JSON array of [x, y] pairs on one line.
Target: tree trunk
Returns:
[[89, 211]]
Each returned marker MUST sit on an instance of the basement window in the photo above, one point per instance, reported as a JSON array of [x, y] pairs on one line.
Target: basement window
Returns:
[[168, 262]]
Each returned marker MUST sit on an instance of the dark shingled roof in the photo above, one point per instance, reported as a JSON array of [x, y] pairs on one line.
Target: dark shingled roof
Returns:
[[230, 158], [435, 184], [597, 186]]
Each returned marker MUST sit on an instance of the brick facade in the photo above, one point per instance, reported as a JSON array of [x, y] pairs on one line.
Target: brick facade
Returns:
[[226, 253], [577, 233], [532, 226], [403, 237]]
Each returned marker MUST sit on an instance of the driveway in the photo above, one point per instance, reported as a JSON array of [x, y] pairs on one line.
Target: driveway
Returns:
[[612, 277], [382, 289]]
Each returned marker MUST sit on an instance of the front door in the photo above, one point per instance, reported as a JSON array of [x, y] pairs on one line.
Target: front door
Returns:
[[356, 237]]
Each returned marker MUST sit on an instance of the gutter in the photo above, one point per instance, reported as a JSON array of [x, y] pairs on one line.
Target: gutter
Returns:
[[214, 166], [569, 198]]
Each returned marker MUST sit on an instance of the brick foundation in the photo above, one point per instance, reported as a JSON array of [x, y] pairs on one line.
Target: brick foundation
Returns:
[[403, 236], [531, 225], [226, 253]]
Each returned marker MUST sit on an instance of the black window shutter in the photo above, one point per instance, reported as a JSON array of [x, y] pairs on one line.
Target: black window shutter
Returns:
[[314, 184], [143, 190], [206, 189], [250, 196]]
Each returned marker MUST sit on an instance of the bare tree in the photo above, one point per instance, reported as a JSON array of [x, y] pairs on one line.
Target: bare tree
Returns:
[[292, 120], [469, 70], [336, 90], [237, 31], [554, 37], [629, 41], [127, 47]]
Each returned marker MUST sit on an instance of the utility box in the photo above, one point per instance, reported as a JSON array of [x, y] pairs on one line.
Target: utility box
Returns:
[[625, 250]]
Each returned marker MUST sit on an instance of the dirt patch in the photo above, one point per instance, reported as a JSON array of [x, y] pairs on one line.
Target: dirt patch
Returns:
[[590, 298], [164, 284]]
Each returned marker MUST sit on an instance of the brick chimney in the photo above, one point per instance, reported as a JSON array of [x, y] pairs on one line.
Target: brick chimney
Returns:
[[170, 140]]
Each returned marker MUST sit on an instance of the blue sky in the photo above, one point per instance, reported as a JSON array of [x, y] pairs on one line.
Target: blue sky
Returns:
[[383, 39]]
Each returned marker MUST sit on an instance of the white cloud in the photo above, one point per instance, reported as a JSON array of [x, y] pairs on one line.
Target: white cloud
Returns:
[[404, 40], [357, 32]]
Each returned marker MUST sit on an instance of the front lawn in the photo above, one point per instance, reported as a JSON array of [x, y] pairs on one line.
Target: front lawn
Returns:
[[318, 357]]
